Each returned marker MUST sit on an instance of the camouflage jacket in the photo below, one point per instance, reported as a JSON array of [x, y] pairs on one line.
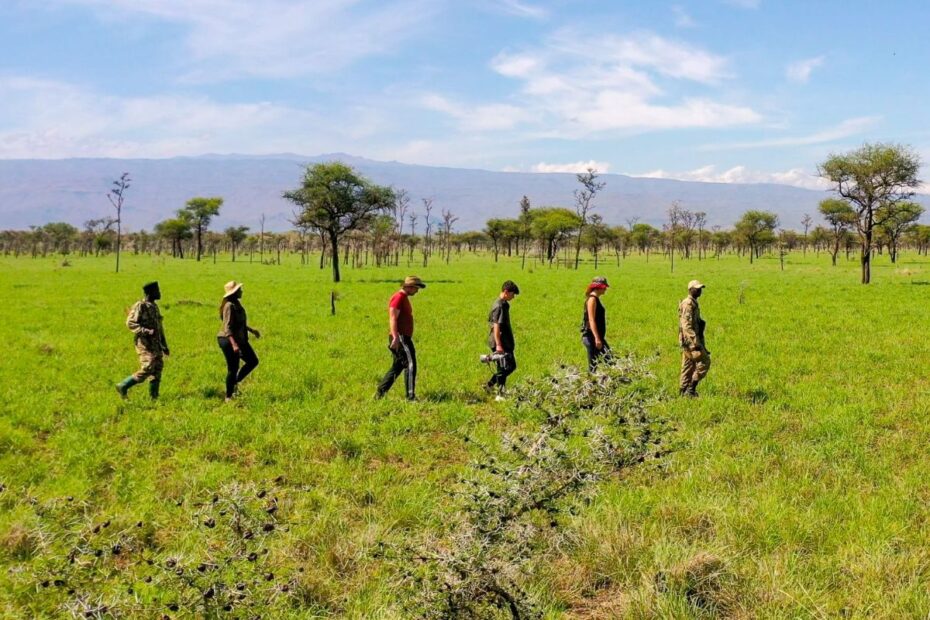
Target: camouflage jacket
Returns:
[[145, 322], [690, 324]]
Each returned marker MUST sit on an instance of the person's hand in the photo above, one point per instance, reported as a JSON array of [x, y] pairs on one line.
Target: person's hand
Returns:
[[395, 342], [256, 334], [235, 349], [598, 344], [148, 332], [500, 349]]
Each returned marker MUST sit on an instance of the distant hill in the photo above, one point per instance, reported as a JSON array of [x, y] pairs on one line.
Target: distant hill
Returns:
[[73, 190]]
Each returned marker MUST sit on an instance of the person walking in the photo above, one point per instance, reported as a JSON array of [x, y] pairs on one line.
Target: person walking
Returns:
[[594, 324], [400, 339], [145, 323], [233, 338], [500, 338], [695, 358]]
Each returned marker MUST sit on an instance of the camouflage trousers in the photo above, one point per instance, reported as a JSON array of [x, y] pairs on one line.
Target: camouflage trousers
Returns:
[[150, 365], [694, 367]]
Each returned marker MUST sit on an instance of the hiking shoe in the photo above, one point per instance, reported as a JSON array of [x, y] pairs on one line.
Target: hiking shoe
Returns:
[[499, 398]]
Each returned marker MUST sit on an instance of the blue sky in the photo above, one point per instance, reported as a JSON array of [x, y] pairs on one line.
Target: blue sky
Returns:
[[724, 90]]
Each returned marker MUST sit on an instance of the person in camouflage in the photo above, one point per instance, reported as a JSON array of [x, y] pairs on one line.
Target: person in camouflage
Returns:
[[145, 323], [695, 358]]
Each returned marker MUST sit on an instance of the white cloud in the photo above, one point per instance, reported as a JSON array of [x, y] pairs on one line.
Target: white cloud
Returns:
[[800, 71], [846, 129], [682, 18], [489, 117], [797, 177], [575, 167], [48, 119], [522, 9], [577, 87], [276, 38]]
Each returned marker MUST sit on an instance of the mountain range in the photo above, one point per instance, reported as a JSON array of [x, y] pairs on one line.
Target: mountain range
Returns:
[[34, 192]]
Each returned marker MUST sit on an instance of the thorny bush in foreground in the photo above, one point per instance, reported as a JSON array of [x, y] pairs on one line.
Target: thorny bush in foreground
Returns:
[[90, 566], [508, 506]]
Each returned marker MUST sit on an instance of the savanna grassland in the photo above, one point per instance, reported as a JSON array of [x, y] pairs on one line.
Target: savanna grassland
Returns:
[[796, 486]]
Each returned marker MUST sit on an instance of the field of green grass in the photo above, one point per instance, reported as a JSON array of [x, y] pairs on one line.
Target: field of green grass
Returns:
[[797, 486]]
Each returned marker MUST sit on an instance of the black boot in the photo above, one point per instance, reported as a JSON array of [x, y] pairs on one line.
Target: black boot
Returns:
[[692, 390], [153, 388], [123, 386]]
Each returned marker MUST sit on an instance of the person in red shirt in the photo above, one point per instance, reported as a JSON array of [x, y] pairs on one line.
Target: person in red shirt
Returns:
[[400, 340]]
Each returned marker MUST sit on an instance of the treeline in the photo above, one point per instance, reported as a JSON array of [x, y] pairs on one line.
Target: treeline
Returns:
[[343, 219]]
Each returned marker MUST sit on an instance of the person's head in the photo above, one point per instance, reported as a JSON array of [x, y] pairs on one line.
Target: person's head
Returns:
[[412, 285], [232, 290], [509, 290], [152, 291], [598, 286], [695, 288]]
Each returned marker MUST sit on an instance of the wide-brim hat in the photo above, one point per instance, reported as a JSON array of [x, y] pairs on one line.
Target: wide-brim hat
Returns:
[[414, 281], [695, 284], [231, 287]]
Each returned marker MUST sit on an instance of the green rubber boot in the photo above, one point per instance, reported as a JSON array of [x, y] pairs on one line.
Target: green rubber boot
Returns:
[[123, 386], [153, 388]]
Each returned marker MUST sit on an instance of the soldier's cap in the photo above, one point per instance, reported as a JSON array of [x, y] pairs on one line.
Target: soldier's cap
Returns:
[[600, 282], [231, 287], [150, 286], [414, 281], [511, 287], [695, 284]]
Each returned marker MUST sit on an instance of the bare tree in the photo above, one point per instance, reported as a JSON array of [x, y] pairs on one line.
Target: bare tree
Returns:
[[806, 222], [401, 206], [447, 221], [428, 207], [116, 196], [584, 199]]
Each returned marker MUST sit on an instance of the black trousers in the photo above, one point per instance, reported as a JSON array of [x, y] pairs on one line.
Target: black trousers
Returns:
[[235, 374], [404, 360], [595, 356], [505, 367]]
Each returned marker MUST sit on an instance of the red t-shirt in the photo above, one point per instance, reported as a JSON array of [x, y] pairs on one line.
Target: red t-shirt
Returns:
[[405, 318]]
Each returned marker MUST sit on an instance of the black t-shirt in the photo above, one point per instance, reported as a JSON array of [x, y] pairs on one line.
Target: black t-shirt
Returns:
[[600, 319], [500, 314]]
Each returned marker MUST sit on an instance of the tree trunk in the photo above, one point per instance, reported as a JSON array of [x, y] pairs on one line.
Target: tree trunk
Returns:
[[334, 245], [867, 257]]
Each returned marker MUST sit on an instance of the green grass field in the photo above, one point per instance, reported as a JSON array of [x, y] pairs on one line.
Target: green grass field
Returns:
[[799, 478]]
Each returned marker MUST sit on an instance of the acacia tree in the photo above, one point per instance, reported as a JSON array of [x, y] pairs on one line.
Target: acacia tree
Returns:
[[335, 199], [236, 235], [757, 229], [873, 178], [584, 199], [840, 215], [551, 225], [116, 197], [199, 212], [900, 218]]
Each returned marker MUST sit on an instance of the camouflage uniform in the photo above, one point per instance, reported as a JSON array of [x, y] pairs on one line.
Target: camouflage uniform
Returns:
[[695, 360], [146, 323]]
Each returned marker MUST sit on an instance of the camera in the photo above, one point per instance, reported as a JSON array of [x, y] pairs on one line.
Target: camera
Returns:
[[492, 358]]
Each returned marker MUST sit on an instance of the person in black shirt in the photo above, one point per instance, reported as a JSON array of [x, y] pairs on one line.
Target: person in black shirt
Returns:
[[500, 338], [594, 324]]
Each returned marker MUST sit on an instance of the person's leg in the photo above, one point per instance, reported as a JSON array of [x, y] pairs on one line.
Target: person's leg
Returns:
[[505, 368], [592, 352], [701, 366], [398, 364], [158, 364], [232, 364], [249, 359], [410, 372], [687, 371], [146, 370]]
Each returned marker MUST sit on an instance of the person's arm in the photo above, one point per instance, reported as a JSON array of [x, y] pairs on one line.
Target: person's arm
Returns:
[[393, 314], [164, 341], [591, 305], [254, 332], [497, 338], [134, 324], [686, 322], [227, 325]]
